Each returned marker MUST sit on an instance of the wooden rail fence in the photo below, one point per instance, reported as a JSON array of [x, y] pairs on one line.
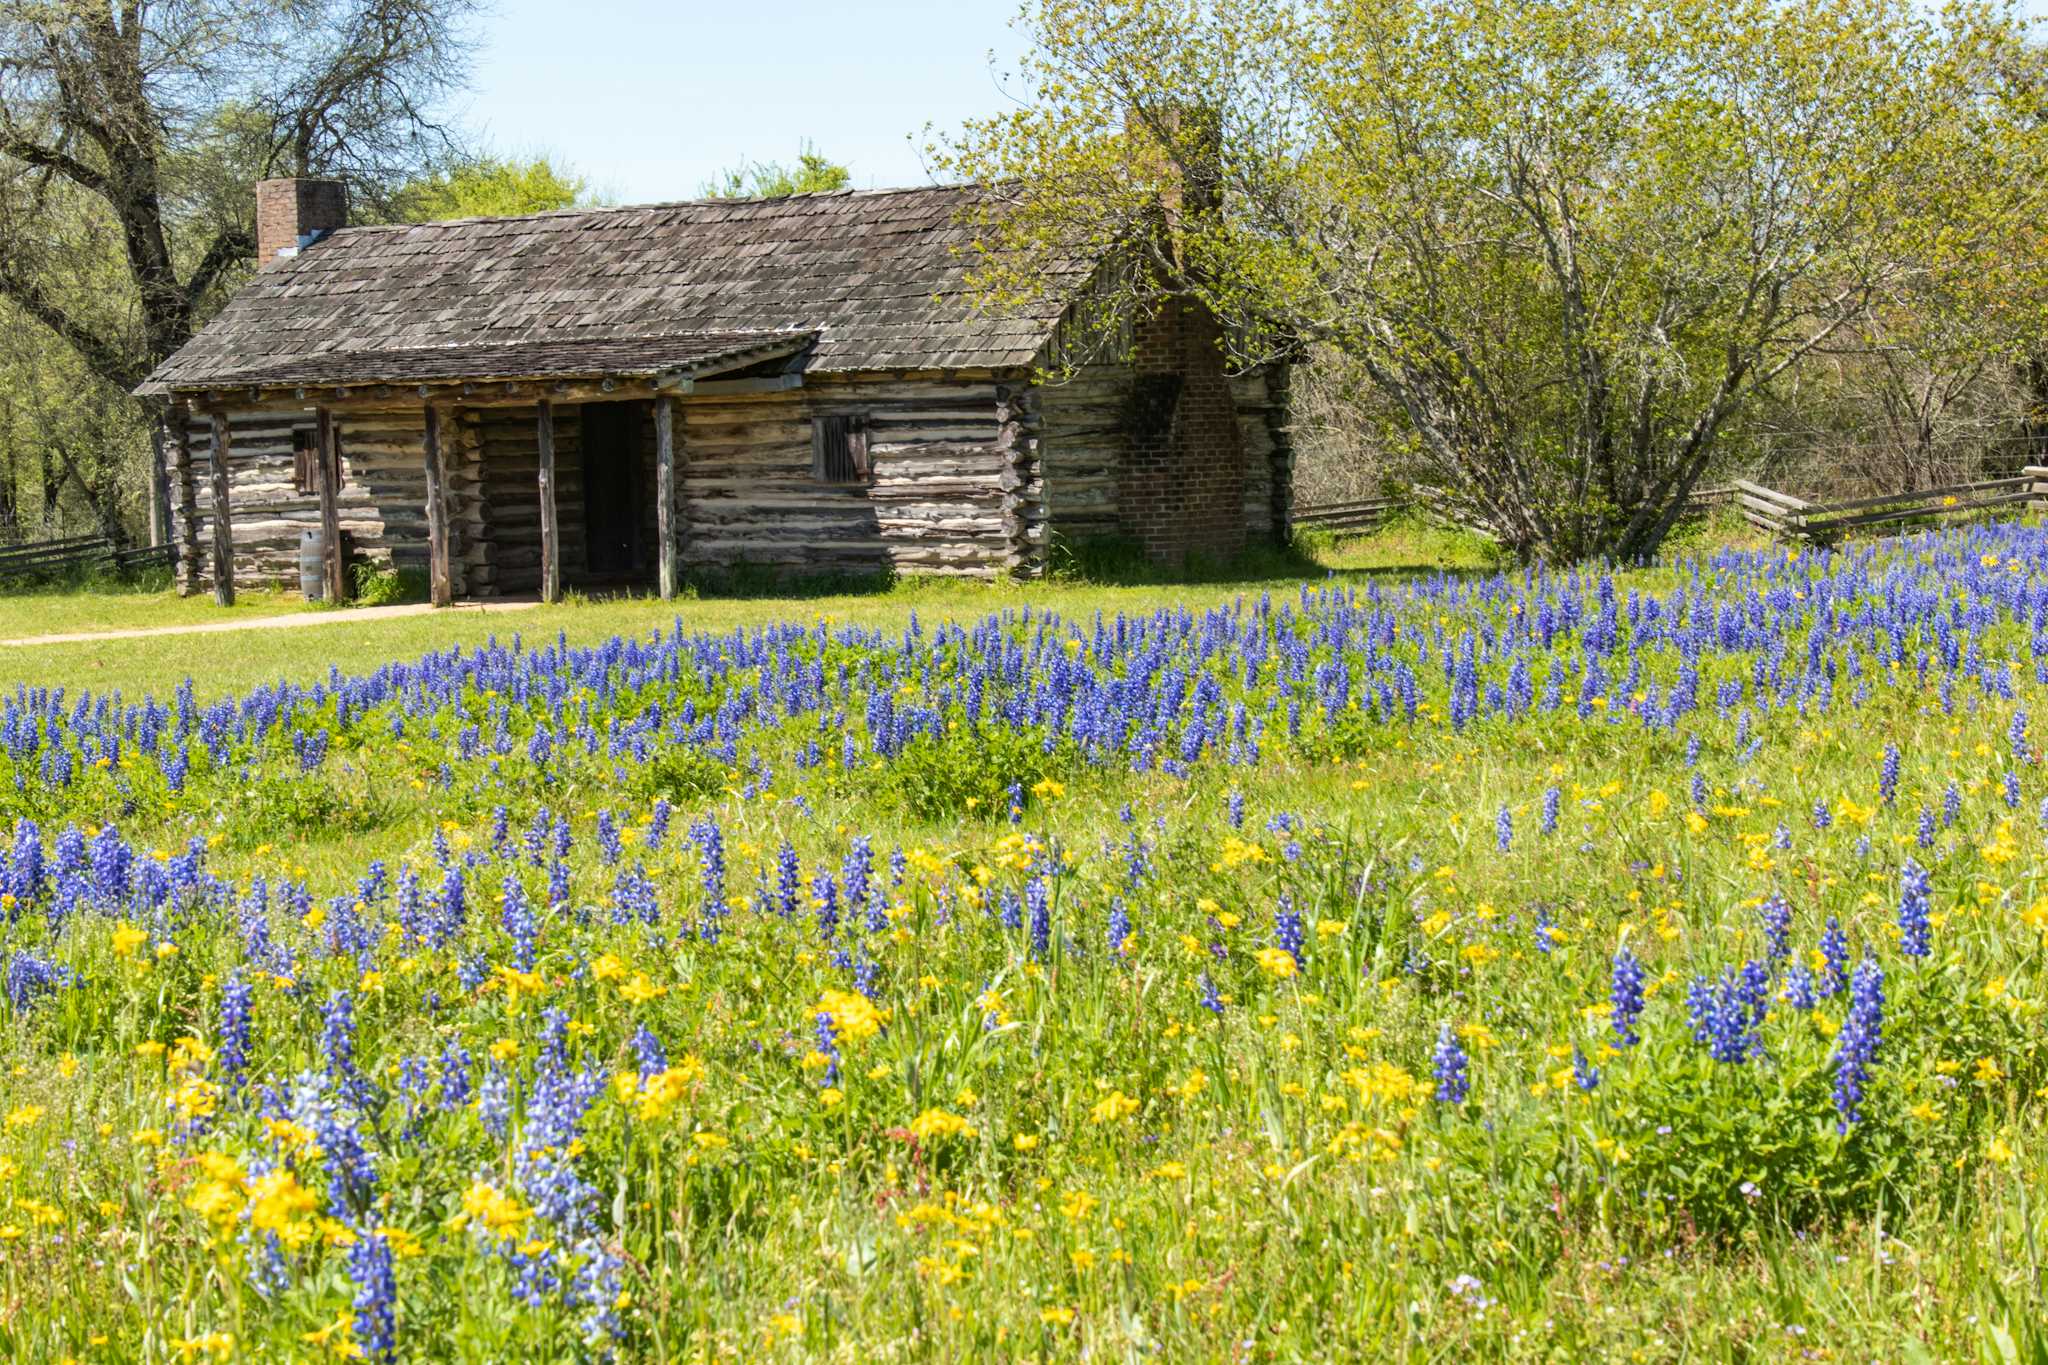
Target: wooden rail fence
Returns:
[[1819, 523], [46, 558], [1364, 513]]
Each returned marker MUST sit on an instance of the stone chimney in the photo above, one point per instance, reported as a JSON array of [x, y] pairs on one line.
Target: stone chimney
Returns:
[[294, 214]]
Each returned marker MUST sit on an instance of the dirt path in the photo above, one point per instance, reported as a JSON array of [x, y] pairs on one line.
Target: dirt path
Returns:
[[292, 622]]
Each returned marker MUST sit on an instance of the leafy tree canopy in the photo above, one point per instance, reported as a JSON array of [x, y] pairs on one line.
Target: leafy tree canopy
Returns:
[[489, 187], [813, 173], [1568, 242]]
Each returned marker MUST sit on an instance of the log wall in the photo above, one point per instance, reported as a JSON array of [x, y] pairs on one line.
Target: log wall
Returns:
[[955, 487], [382, 498]]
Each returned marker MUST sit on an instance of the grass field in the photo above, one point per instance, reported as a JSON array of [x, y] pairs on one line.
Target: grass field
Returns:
[[1430, 960]]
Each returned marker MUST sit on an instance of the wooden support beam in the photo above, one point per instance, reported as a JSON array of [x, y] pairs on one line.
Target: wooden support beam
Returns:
[[327, 481], [187, 520], [223, 515], [665, 492], [159, 492], [440, 575], [550, 530]]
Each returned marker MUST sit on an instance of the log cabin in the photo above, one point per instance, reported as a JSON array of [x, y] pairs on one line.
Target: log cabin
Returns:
[[624, 397]]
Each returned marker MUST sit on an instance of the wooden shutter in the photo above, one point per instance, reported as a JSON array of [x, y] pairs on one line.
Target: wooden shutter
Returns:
[[303, 455], [839, 448]]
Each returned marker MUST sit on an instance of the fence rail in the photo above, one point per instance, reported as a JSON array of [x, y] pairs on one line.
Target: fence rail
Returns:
[[1347, 516], [1364, 513], [42, 558], [1797, 519]]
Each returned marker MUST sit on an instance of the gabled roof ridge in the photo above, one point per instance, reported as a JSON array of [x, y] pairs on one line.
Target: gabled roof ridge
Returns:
[[713, 201]]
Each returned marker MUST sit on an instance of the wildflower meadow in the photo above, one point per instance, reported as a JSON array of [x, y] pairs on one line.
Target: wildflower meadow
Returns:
[[1606, 963]]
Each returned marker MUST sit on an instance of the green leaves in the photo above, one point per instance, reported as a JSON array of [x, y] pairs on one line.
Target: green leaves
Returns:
[[1568, 242]]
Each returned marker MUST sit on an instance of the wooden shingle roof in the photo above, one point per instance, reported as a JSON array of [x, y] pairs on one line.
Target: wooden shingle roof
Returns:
[[878, 275]]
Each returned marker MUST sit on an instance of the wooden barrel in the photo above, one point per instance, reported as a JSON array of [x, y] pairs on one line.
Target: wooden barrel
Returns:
[[312, 565]]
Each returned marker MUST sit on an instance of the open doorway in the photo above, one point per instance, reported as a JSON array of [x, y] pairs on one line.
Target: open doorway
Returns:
[[613, 499]]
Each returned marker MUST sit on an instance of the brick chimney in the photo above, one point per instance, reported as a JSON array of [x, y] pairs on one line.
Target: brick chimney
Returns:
[[1181, 484], [292, 214]]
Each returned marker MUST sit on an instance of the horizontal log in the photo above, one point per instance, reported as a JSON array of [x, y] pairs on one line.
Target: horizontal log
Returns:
[[1815, 529], [1771, 496], [1951, 490]]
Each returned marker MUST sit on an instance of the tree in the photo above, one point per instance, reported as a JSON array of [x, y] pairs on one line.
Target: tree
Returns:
[[137, 126], [488, 187], [813, 173], [1568, 241]]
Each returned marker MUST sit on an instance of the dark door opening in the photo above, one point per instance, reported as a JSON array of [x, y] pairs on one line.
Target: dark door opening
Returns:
[[612, 496]]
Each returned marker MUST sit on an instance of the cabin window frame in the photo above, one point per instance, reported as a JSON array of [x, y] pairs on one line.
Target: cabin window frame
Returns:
[[841, 448]]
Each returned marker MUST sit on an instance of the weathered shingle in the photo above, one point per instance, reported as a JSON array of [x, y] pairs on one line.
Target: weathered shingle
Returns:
[[878, 275]]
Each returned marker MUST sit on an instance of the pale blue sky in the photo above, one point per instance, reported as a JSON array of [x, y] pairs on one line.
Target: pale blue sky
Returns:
[[651, 99]]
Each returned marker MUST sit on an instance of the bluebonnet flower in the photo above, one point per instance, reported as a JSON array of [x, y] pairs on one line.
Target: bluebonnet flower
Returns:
[[30, 977], [520, 923], [828, 1046], [595, 1287], [1799, 987], [232, 1055], [1822, 816], [1776, 915], [1584, 1073], [1119, 926], [1726, 1015], [376, 1298], [1951, 804], [2012, 789], [1544, 935], [1504, 829], [1916, 933], [1925, 834], [1834, 952], [648, 1053], [1450, 1067], [825, 897], [1290, 932], [1626, 996], [1888, 775], [338, 1049], [1862, 1032], [1234, 809], [1038, 898], [455, 1065], [1553, 800], [788, 880], [1211, 1000], [494, 1101]]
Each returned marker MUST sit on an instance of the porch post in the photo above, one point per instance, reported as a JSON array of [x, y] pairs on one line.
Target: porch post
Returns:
[[223, 515], [159, 492], [327, 479], [665, 490], [440, 580], [550, 533], [187, 519]]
